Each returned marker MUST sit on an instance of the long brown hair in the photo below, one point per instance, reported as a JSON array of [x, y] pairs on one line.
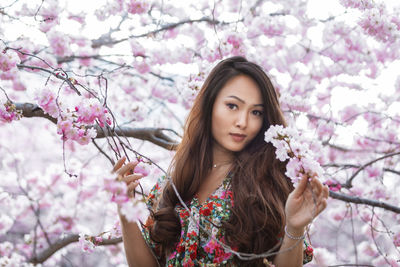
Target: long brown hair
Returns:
[[259, 186]]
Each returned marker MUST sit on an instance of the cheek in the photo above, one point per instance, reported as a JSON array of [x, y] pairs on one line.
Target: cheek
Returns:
[[217, 119], [219, 115]]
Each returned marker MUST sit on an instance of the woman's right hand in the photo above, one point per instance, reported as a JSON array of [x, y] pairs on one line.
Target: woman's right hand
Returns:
[[126, 174], [137, 251]]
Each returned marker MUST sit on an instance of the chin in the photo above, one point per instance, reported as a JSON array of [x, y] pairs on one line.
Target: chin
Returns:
[[235, 148]]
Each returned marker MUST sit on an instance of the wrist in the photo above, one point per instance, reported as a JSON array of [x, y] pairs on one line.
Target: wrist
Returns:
[[295, 230], [295, 233]]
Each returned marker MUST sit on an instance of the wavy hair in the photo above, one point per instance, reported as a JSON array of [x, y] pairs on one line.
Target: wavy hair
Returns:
[[259, 186]]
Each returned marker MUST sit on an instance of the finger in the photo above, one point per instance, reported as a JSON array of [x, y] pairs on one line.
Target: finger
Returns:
[[118, 165], [321, 206], [132, 186], [131, 178], [316, 185], [128, 167], [323, 199], [301, 186], [325, 191]]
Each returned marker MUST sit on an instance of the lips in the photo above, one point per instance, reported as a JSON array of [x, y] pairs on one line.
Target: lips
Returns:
[[238, 137]]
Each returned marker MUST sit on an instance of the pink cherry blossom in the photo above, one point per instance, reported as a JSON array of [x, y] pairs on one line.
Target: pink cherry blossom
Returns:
[[137, 49], [85, 60], [396, 239], [117, 189], [8, 112], [5, 223], [46, 99], [137, 6], [333, 185], [18, 85], [77, 17], [288, 142], [6, 249], [365, 4], [59, 43], [236, 42], [85, 244], [12, 74], [373, 171], [8, 59], [268, 26], [134, 210], [349, 114], [376, 22], [142, 67]]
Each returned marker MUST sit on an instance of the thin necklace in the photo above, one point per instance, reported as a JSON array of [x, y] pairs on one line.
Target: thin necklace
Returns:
[[222, 164]]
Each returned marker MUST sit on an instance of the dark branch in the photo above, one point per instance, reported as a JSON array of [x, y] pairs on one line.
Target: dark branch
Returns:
[[154, 135], [347, 166], [54, 73], [348, 184], [106, 39], [369, 202], [63, 242], [32, 110]]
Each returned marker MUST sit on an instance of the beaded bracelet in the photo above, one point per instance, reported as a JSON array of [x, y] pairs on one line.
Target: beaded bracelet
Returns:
[[293, 237]]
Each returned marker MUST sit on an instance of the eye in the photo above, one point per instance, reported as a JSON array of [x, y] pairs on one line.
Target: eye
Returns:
[[232, 106], [257, 112]]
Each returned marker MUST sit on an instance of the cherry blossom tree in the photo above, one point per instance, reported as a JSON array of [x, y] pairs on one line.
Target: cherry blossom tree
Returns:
[[81, 86]]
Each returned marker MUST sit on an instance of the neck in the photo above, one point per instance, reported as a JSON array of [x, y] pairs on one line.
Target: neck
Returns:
[[221, 157]]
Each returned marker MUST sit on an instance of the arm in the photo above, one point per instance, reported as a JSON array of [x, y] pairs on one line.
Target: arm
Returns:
[[306, 201], [136, 249], [291, 250]]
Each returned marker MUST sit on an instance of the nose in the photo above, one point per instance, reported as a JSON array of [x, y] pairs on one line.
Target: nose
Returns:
[[241, 120]]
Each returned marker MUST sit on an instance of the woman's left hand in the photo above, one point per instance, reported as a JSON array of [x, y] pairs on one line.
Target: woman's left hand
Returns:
[[305, 202]]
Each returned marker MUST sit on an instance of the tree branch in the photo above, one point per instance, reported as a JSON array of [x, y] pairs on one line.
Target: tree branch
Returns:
[[347, 166], [63, 242], [106, 39], [32, 110], [348, 184], [54, 73], [369, 202], [154, 135]]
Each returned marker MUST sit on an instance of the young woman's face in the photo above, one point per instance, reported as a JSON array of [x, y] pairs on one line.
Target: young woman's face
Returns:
[[237, 114]]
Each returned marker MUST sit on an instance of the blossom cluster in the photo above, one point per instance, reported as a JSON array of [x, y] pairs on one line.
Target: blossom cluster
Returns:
[[74, 131], [74, 124], [236, 41], [8, 59], [379, 25], [117, 190], [137, 6], [85, 243], [333, 185], [365, 4], [9, 112], [59, 43], [265, 26], [396, 240], [293, 147]]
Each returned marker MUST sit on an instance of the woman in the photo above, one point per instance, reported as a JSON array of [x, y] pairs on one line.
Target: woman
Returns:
[[229, 178]]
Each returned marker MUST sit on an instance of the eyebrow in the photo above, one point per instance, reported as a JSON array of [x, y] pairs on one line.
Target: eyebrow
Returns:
[[241, 100]]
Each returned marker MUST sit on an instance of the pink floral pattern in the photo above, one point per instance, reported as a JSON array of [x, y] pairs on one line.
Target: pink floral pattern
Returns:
[[195, 247]]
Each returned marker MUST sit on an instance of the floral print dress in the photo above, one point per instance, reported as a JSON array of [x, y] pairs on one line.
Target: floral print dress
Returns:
[[195, 247]]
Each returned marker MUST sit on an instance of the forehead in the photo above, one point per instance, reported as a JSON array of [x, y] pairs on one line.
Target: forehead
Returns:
[[244, 87]]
